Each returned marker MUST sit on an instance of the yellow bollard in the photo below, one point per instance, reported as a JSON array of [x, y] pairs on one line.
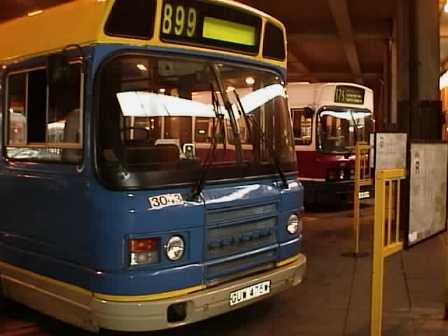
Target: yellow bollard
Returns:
[[386, 237], [362, 179]]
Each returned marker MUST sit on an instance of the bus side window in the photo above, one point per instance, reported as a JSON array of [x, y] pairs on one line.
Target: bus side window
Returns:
[[203, 129], [303, 126], [64, 117], [44, 123], [16, 108]]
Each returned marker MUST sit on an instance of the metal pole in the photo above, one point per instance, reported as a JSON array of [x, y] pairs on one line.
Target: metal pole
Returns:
[[356, 202], [378, 258], [446, 277]]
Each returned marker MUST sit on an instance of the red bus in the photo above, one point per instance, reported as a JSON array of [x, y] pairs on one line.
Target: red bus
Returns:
[[328, 119]]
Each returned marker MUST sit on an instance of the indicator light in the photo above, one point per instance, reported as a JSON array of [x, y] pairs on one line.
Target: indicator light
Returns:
[[143, 251]]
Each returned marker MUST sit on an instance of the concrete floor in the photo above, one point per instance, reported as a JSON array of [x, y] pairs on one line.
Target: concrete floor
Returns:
[[334, 299]]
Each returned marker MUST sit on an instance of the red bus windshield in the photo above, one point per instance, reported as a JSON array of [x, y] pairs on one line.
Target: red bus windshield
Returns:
[[340, 129]]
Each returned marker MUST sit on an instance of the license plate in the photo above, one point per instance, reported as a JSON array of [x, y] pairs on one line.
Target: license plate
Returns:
[[249, 293]]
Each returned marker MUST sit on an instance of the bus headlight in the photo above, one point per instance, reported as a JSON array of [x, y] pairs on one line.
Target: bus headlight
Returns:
[[331, 174], [295, 225], [337, 174], [175, 248]]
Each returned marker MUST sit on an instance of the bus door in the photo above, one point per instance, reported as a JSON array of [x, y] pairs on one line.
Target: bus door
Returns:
[[304, 139]]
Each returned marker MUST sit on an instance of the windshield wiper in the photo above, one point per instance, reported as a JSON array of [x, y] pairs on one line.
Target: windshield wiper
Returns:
[[355, 129], [199, 186], [262, 135], [355, 125], [228, 107]]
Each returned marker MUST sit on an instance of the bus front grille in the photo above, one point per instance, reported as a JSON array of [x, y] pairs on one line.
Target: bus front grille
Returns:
[[240, 239], [231, 269], [224, 241]]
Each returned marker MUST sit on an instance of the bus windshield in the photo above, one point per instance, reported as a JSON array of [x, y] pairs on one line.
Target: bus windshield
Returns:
[[162, 119], [340, 129]]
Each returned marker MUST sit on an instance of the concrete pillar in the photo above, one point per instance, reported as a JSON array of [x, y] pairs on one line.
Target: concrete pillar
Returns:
[[403, 31], [393, 49], [427, 36], [419, 67]]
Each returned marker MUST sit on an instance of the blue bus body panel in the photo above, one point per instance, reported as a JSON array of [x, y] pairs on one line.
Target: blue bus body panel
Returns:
[[58, 220], [86, 245]]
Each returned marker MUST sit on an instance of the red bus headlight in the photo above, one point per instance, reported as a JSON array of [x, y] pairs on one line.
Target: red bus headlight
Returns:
[[143, 251], [331, 174]]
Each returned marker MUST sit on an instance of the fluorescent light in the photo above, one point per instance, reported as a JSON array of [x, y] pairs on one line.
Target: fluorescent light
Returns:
[[445, 8], [37, 12], [142, 67], [250, 81], [443, 81]]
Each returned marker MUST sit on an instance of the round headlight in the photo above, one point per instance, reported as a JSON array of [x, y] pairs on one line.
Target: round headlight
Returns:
[[294, 225], [175, 248]]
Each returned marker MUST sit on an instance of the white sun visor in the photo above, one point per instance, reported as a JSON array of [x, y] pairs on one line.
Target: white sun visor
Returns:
[[346, 115], [257, 98], [148, 104]]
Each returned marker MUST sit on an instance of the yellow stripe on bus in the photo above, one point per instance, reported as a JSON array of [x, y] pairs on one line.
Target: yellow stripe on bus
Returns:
[[149, 297], [288, 261]]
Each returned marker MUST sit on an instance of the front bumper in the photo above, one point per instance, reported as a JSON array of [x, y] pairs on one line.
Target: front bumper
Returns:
[[200, 305], [328, 192]]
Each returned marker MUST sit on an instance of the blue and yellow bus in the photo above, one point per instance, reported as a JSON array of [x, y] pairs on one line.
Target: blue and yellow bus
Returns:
[[147, 169]]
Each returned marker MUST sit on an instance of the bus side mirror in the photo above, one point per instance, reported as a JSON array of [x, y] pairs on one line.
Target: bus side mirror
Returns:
[[308, 112]]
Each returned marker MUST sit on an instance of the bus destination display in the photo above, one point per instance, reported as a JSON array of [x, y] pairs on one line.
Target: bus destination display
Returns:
[[349, 95], [204, 24]]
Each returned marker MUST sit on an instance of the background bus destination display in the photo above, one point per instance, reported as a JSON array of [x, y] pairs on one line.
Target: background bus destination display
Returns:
[[349, 95], [211, 25]]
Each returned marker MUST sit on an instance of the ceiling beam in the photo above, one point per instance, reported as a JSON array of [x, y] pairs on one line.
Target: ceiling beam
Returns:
[[297, 66], [375, 30], [335, 37], [339, 10], [333, 75]]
